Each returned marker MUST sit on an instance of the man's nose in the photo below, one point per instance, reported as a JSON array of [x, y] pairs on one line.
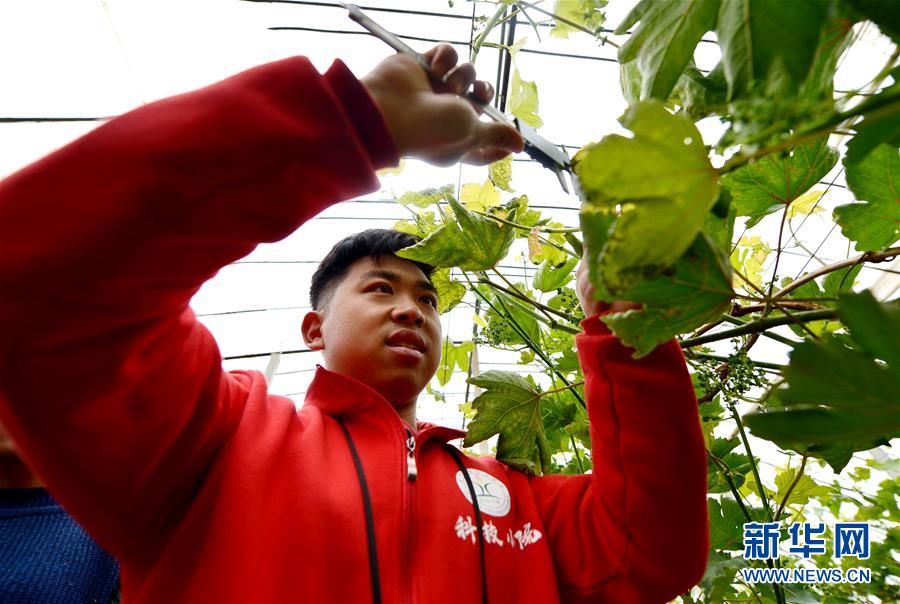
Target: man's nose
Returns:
[[407, 312]]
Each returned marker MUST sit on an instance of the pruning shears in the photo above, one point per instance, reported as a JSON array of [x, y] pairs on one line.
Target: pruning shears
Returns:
[[551, 156]]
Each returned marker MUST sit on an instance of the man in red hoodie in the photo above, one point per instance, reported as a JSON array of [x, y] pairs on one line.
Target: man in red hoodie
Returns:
[[208, 488]]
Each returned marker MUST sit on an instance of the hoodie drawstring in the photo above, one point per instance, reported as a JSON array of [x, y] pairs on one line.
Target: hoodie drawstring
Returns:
[[370, 522]]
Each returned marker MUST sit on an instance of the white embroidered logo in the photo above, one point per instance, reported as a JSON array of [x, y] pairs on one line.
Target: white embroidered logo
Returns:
[[467, 530], [493, 496]]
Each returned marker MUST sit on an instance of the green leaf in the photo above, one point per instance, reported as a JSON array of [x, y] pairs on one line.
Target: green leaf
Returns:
[[840, 399], [479, 197], [805, 488], [549, 278], [523, 100], [450, 292], [422, 225], [878, 127], [883, 13], [876, 180], [768, 46], [663, 44], [426, 197], [583, 12], [500, 173], [772, 182], [719, 576], [511, 407], [665, 185], [695, 290], [701, 95], [453, 356], [471, 242], [726, 524]]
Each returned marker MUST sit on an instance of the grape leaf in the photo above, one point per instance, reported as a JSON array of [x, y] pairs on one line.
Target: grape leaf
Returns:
[[877, 127], [453, 355], [511, 407], [802, 491], [853, 404], [663, 44], [523, 100], [726, 524], [701, 95], [884, 14], [772, 182], [876, 180], [719, 576], [500, 173], [479, 197], [450, 292], [694, 290], [768, 46], [426, 197], [549, 278], [583, 12], [471, 242], [665, 184]]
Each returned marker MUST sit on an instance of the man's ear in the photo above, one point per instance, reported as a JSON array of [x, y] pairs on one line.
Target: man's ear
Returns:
[[312, 330]]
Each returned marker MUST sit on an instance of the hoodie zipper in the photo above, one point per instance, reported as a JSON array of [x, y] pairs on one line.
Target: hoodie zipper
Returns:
[[412, 472]]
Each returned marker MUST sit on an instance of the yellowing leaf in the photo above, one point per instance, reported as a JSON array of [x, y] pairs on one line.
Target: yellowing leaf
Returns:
[[664, 184], [426, 197], [585, 13], [450, 292], [479, 197], [453, 355], [500, 173], [466, 240], [523, 100], [806, 204], [748, 258]]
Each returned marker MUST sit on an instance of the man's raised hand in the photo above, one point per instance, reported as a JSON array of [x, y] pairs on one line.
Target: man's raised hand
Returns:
[[433, 121]]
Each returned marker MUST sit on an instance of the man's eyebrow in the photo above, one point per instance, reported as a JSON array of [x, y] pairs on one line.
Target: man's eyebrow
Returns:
[[380, 273]]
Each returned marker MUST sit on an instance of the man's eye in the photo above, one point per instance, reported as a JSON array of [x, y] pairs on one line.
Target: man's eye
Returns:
[[383, 287], [431, 300]]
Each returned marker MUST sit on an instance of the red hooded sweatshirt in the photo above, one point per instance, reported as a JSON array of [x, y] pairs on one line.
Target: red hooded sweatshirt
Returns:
[[210, 489]]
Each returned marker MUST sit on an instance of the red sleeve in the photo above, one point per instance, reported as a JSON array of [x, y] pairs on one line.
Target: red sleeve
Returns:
[[109, 385], [636, 528]]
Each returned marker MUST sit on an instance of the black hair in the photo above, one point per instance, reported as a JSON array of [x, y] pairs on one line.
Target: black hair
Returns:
[[373, 243]]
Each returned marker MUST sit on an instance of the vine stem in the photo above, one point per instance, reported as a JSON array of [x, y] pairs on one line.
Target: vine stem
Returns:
[[522, 227], [577, 454], [790, 489], [716, 357], [604, 39], [779, 594], [878, 106], [882, 256], [726, 474], [515, 293], [520, 295], [488, 27], [521, 332], [761, 325]]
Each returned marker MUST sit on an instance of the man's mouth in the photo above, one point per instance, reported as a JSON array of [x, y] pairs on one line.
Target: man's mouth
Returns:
[[406, 339]]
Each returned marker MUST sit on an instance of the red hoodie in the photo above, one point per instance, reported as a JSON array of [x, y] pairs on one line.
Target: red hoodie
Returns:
[[210, 489]]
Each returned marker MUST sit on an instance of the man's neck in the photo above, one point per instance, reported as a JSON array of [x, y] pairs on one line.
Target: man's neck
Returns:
[[407, 413]]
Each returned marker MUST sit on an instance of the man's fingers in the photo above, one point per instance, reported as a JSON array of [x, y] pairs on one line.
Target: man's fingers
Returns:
[[484, 91], [460, 79], [442, 59], [499, 136]]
